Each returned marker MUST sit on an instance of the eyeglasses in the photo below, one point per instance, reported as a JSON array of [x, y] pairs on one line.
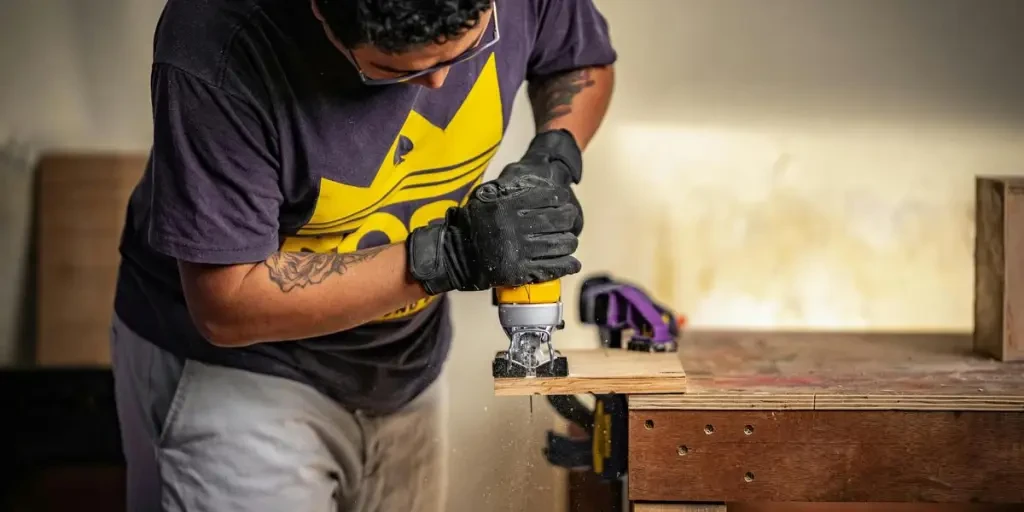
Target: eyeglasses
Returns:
[[477, 49]]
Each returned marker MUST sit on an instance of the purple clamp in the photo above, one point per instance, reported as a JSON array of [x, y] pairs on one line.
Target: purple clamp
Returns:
[[615, 307]]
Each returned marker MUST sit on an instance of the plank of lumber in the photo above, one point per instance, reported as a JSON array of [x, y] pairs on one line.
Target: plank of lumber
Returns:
[[604, 371], [830, 456], [82, 203], [743, 370], [678, 507], [998, 275]]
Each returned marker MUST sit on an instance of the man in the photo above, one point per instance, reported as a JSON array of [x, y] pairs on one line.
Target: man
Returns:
[[313, 192]]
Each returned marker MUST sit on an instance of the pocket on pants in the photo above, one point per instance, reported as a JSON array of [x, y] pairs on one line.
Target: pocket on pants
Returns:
[[178, 402]]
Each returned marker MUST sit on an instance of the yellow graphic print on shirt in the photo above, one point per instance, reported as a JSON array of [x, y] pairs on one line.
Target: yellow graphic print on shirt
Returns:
[[445, 161]]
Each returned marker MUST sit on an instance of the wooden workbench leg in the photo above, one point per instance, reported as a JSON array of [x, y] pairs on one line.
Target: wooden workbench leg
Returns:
[[679, 507]]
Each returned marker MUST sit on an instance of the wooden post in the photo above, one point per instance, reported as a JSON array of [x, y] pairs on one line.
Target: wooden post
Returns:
[[999, 267]]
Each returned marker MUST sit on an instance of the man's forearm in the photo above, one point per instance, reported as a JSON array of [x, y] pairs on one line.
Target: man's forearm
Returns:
[[576, 101], [296, 295]]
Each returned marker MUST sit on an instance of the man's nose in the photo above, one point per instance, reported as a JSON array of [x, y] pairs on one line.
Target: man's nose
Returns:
[[433, 80]]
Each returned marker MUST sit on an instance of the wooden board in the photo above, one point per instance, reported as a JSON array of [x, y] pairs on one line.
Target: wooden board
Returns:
[[82, 201], [998, 274], [840, 371], [604, 371], [677, 507], [830, 456]]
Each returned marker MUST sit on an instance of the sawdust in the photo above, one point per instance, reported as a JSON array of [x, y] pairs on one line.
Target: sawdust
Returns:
[[522, 479], [524, 473]]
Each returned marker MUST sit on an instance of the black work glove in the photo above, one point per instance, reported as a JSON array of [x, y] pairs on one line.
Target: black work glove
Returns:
[[554, 156], [510, 233]]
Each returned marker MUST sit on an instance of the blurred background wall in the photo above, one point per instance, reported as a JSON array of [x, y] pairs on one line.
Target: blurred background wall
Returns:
[[782, 163], [805, 163]]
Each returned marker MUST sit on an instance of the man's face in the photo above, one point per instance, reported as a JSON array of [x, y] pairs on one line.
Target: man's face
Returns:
[[376, 64]]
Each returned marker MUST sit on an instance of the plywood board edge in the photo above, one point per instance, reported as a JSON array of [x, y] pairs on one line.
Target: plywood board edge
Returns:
[[826, 402], [604, 371]]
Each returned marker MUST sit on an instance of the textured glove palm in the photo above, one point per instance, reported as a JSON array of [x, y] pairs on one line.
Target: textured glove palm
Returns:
[[511, 232]]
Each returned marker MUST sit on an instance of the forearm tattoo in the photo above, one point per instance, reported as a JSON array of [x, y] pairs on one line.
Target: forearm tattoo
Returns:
[[291, 270], [552, 96]]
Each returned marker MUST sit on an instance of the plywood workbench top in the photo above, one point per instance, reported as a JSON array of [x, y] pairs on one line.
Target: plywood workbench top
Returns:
[[838, 371]]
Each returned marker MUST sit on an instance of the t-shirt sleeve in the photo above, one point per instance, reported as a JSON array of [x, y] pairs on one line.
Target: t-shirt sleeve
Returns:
[[215, 186], [570, 34]]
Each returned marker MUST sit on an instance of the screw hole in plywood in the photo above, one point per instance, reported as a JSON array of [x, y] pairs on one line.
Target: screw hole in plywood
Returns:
[[682, 450], [649, 424], [749, 477], [709, 429], [749, 429]]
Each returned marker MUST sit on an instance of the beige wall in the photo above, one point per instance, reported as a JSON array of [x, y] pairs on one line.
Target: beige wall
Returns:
[[76, 74], [790, 163], [800, 163]]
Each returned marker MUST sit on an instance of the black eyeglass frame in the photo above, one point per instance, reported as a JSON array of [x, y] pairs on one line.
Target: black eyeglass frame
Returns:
[[477, 49]]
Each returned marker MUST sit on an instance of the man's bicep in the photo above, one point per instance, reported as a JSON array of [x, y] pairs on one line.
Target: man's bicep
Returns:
[[570, 34], [215, 178]]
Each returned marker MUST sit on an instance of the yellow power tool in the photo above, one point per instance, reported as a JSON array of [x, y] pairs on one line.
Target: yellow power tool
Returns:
[[530, 314]]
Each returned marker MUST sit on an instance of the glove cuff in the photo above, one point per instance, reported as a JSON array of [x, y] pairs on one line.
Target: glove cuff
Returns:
[[559, 145], [441, 258], [425, 255]]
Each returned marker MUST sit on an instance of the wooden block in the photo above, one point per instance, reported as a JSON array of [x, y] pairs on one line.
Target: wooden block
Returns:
[[82, 201], [999, 267], [604, 371], [830, 456]]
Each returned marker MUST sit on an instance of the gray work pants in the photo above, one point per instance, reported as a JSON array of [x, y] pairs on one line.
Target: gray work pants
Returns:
[[199, 437]]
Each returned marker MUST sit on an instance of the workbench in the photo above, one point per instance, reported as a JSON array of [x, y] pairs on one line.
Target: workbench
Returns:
[[829, 417]]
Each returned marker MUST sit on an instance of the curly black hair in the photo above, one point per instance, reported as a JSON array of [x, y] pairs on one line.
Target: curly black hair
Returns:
[[397, 26]]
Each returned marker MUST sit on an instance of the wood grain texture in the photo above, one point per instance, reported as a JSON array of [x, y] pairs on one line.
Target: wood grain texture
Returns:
[[678, 507], [604, 371], [82, 201], [1013, 280], [877, 402], [831, 456], [737, 370], [998, 275]]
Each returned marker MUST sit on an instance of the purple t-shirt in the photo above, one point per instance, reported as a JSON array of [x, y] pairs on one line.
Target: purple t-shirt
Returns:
[[266, 140]]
